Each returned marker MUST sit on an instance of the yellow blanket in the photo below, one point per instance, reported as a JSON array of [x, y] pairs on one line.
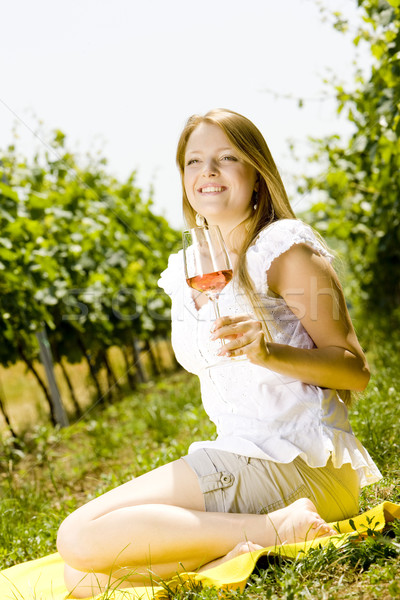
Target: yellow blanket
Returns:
[[42, 579]]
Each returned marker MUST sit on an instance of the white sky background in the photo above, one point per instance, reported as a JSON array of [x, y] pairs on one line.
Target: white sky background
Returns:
[[123, 75]]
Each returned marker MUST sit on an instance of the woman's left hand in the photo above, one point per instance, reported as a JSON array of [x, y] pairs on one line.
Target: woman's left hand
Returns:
[[243, 335]]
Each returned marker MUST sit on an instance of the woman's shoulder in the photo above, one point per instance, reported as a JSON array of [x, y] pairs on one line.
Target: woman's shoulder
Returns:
[[284, 227], [280, 235], [171, 277], [276, 239]]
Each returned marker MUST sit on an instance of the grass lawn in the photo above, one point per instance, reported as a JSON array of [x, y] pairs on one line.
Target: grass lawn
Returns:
[[51, 472]]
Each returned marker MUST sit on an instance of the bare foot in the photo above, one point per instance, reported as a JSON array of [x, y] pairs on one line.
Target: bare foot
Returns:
[[298, 522], [240, 548]]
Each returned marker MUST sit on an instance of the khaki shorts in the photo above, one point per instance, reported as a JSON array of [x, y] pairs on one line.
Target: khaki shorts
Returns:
[[240, 484]]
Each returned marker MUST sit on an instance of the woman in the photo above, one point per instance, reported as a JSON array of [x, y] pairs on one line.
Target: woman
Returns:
[[285, 460]]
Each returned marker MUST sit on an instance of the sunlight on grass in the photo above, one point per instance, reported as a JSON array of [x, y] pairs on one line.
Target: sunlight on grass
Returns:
[[47, 473]]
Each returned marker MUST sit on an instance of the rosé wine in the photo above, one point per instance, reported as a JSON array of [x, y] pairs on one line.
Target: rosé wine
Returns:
[[211, 283]]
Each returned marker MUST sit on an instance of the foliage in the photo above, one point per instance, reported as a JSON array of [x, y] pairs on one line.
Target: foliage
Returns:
[[80, 253], [359, 187]]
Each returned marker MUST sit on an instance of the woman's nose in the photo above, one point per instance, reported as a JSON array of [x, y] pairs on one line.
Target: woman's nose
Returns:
[[210, 168]]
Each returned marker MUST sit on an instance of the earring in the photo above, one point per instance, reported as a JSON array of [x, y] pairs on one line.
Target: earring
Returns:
[[255, 200], [200, 220]]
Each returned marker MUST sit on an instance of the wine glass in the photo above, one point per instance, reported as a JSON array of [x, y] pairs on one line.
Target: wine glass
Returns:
[[208, 268]]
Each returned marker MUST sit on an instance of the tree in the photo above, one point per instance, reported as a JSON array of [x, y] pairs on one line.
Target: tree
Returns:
[[80, 254], [359, 200]]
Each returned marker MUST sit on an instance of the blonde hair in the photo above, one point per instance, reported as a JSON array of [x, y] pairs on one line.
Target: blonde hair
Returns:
[[272, 202]]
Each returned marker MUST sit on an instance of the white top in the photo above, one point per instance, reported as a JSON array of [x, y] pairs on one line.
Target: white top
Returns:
[[258, 412]]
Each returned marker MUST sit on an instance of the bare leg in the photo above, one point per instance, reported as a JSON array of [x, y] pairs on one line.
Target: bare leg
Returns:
[[157, 522], [174, 483], [184, 539]]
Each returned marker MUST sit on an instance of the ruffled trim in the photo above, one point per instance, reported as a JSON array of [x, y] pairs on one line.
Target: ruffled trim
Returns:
[[273, 241], [346, 448], [171, 278]]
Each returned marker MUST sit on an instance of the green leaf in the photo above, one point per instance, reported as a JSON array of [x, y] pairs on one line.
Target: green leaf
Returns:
[[37, 201], [7, 255], [7, 191]]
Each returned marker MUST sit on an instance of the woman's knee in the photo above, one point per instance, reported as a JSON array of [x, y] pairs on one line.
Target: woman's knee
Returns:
[[74, 544]]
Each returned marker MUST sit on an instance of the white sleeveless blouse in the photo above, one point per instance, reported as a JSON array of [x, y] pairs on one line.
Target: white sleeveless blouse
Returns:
[[258, 412]]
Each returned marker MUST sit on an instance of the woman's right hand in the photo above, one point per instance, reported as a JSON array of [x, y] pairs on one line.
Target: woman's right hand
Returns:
[[243, 335]]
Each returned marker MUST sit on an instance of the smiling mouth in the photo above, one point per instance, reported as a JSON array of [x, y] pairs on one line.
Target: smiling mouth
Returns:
[[209, 189]]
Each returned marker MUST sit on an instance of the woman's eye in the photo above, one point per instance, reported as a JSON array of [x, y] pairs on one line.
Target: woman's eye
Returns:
[[229, 157], [192, 161]]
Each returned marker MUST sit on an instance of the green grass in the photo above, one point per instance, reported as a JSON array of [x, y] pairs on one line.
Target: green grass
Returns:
[[49, 473]]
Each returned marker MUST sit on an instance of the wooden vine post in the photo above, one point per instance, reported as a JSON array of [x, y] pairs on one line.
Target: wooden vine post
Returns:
[[47, 361]]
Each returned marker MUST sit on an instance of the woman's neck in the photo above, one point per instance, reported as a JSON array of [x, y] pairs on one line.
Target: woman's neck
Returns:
[[234, 236]]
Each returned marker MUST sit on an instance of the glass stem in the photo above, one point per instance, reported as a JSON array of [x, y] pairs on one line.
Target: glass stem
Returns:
[[214, 301]]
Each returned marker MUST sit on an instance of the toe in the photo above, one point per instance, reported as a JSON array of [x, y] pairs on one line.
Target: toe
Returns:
[[249, 547], [325, 530]]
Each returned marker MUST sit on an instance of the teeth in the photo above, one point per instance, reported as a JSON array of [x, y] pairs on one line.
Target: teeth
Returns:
[[211, 189]]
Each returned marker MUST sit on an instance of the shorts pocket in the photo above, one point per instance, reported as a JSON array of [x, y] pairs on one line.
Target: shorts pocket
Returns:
[[216, 481], [301, 491]]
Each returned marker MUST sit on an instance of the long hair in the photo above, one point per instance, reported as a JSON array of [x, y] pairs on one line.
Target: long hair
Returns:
[[272, 201]]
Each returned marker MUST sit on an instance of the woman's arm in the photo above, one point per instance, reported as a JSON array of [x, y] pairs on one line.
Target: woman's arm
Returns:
[[311, 289]]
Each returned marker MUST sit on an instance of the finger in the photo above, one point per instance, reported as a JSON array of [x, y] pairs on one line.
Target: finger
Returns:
[[239, 351], [237, 329], [237, 346], [248, 338], [245, 344], [226, 320]]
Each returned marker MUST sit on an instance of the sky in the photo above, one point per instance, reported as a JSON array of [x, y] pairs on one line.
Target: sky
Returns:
[[122, 76]]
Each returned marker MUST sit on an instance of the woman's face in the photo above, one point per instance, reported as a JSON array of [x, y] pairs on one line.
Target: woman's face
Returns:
[[218, 183]]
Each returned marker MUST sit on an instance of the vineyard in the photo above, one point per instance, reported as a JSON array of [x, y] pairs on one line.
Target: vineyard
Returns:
[[84, 329], [80, 256]]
